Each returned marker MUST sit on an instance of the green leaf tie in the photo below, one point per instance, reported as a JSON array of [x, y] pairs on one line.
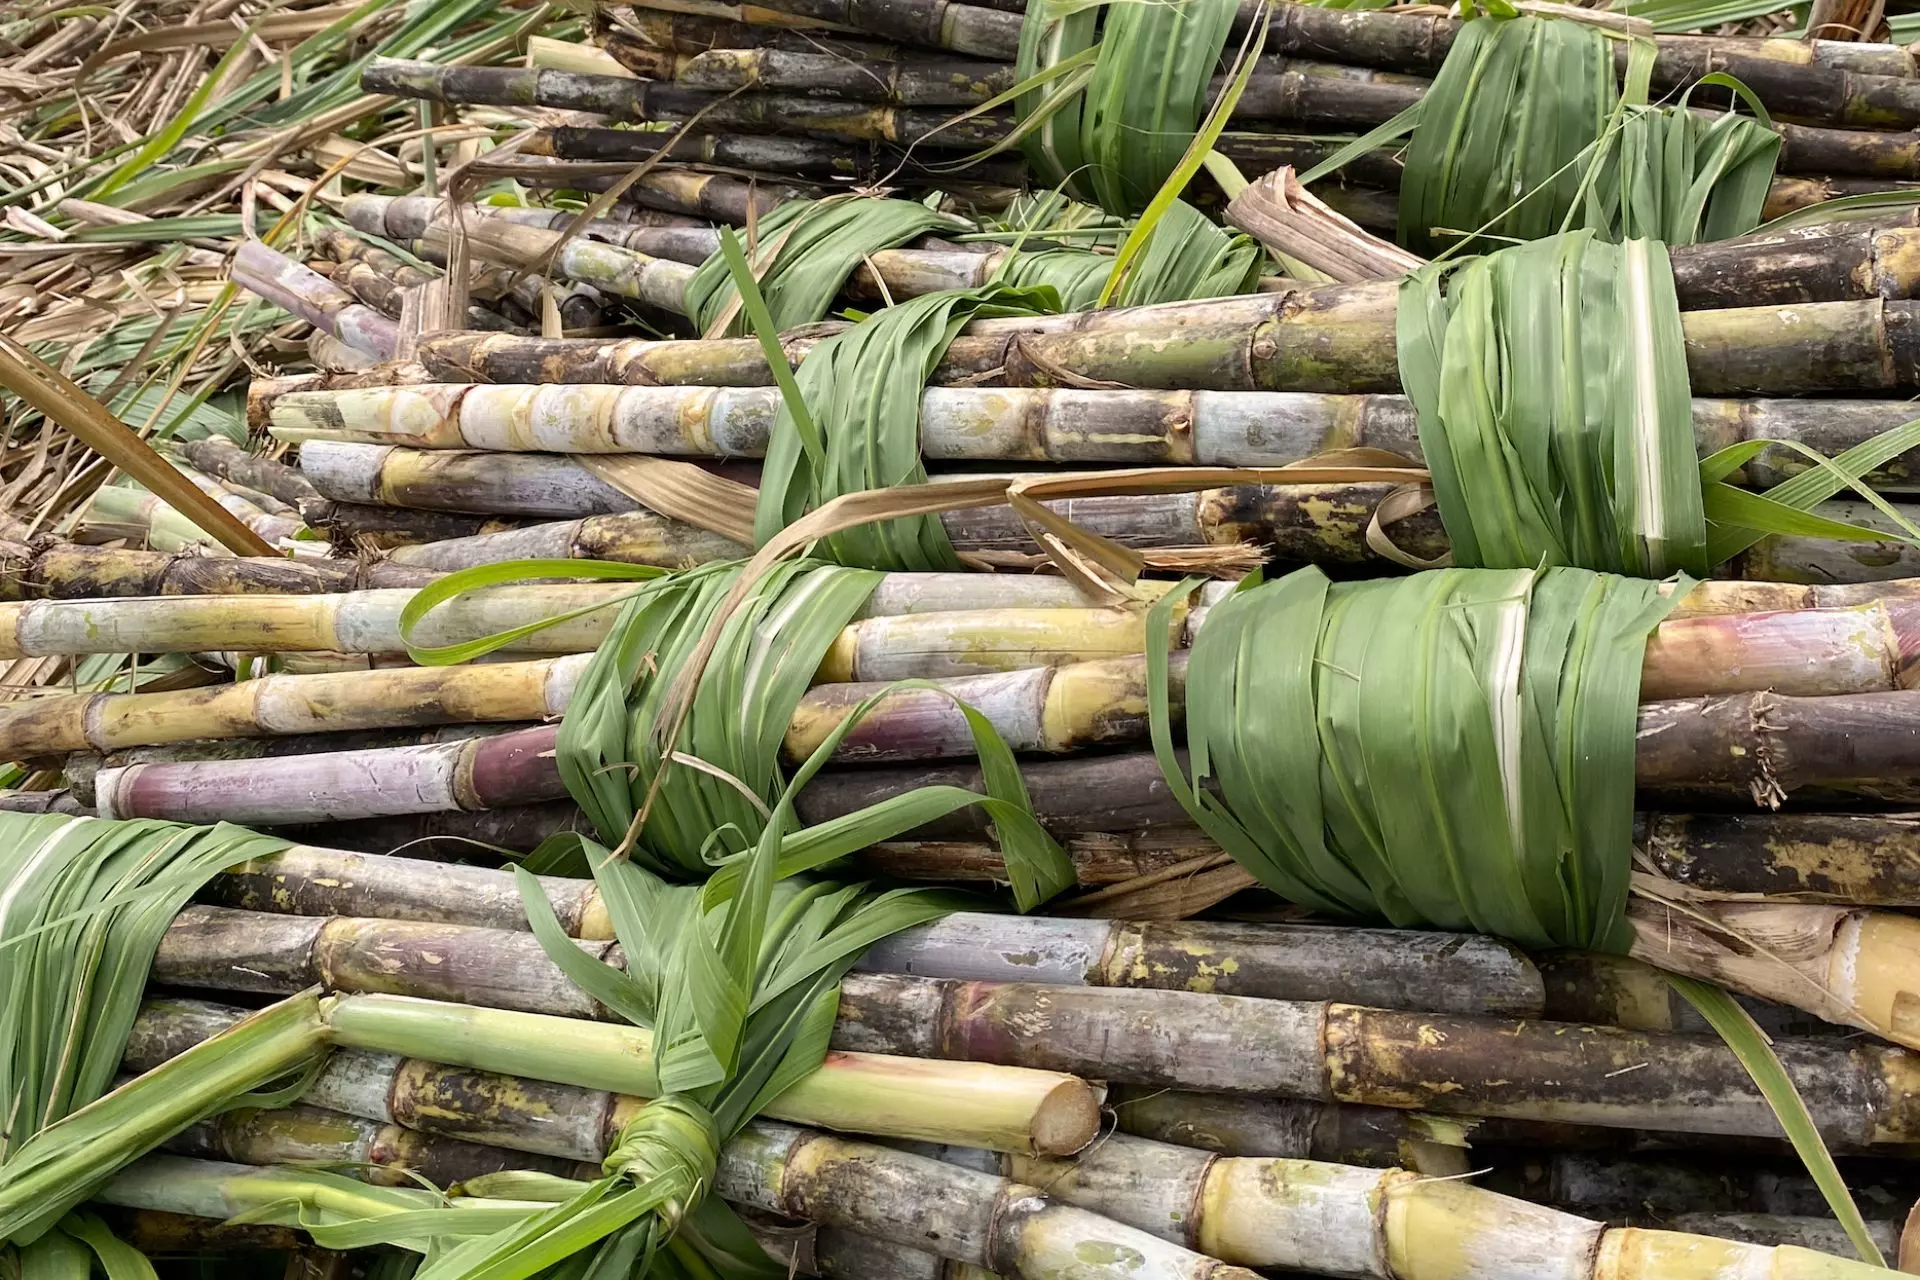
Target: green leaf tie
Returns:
[[1114, 137], [1526, 132], [1452, 749], [1549, 381], [807, 250]]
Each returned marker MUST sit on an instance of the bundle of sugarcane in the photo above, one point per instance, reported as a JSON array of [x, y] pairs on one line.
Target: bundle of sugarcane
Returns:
[[1831, 81], [575, 1082], [1383, 968], [658, 266], [122, 512], [1030, 651], [1318, 1050], [1255, 1211], [656, 263], [852, 93], [233, 948], [383, 281], [1823, 660], [869, 107]]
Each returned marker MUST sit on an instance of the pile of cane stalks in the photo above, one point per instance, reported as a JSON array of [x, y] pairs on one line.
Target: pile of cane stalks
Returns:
[[896, 639]]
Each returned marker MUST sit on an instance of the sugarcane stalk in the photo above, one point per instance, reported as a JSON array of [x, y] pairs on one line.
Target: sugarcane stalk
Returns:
[[1280, 89], [638, 537], [1812, 857], [330, 355], [1336, 339], [836, 1254], [384, 1154], [356, 622], [1762, 743], [411, 217], [1050, 679], [1388, 1224], [388, 1154], [1385, 967], [1610, 1185], [503, 450], [159, 1234], [813, 158], [307, 294], [1318, 1050], [263, 391], [410, 1047], [82, 769], [216, 486], [65, 570], [367, 621], [1619, 991], [120, 511], [1340, 1133], [871, 76], [1323, 340], [219, 456], [371, 527], [689, 194], [1225, 530]]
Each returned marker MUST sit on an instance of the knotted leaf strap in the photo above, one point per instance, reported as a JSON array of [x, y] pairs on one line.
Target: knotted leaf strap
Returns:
[[806, 252], [661, 1165], [1452, 749], [1550, 384], [1113, 133], [862, 389], [738, 979]]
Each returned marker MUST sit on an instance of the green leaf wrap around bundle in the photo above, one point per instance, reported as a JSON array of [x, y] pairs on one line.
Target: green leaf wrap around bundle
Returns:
[[862, 390], [1453, 750], [1674, 175], [1526, 133], [807, 251], [715, 802], [738, 980], [1550, 384], [1113, 133], [83, 906], [610, 740], [1188, 257], [1499, 133]]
